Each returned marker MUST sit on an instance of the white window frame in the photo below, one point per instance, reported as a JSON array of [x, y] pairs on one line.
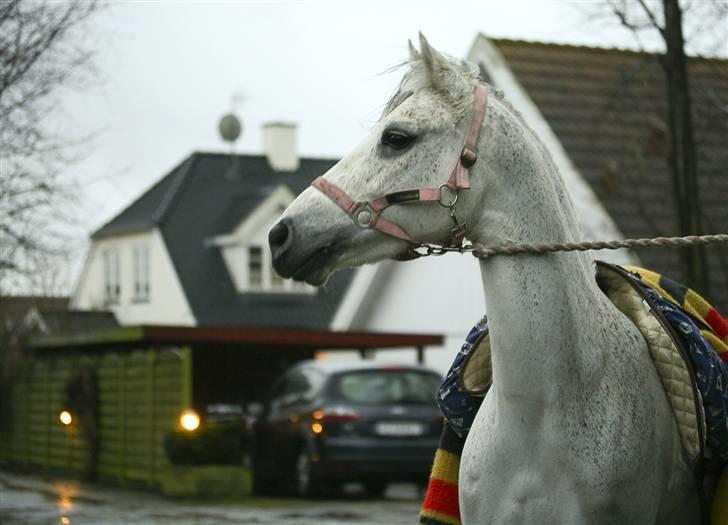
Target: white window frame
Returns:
[[270, 281], [253, 232], [260, 267], [112, 276], [141, 268]]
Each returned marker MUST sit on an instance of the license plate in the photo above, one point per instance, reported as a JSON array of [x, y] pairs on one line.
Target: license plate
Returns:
[[398, 429]]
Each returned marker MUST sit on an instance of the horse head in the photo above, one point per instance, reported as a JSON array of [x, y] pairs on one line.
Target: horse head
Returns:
[[414, 156]]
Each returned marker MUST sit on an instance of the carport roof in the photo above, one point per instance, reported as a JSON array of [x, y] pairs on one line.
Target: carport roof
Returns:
[[255, 337]]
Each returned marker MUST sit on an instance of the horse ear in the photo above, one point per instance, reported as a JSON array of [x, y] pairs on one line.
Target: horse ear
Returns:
[[414, 54], [436, 65]]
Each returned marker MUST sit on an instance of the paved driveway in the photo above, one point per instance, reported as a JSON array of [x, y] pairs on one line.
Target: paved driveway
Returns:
[[26, 500]]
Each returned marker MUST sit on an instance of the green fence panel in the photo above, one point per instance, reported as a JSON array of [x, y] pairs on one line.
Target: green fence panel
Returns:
[[110, 378], [38, 414], [172, 386], [19, 453], [141, 395], [61, 437], [138, 453]]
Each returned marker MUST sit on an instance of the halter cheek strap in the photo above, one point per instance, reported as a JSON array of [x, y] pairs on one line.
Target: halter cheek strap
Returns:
[[367, 214]]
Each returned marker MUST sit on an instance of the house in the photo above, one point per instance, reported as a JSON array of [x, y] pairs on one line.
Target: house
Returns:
[[602, 113], [192, 250]]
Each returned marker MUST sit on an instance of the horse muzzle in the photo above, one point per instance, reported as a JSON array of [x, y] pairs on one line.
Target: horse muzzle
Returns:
[[302, 263]]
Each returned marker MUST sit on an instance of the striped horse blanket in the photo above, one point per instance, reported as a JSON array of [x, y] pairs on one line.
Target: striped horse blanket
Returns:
[[699, 341]]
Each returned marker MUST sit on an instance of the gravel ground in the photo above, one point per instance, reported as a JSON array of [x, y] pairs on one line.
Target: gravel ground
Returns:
[[30, 500]]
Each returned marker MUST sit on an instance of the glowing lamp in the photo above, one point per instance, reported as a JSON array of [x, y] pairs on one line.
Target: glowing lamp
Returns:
[[65, 417], [317, 428], [189, 420]]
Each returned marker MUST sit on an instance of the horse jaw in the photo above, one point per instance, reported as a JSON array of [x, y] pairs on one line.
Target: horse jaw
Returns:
[[327, 241]]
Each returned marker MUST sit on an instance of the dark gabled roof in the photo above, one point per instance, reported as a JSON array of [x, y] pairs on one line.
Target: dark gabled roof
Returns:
[[240, 207], [607, 107], [201, 199], [151, 208]]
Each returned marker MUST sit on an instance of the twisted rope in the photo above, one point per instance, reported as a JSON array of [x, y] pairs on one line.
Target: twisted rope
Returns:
[[483, 252]]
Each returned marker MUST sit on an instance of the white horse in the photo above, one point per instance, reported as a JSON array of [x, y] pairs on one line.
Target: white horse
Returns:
[[576, 427]]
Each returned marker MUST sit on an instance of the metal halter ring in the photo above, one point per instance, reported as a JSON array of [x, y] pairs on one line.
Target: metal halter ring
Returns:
[[364, 215], [453, 193]]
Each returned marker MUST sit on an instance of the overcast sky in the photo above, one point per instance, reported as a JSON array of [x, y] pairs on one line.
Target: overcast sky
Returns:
[[169, 70]]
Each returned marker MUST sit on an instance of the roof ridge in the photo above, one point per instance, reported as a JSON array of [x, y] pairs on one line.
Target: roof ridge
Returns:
[[134, 201], [605, 49], [257, 156], [174, 190]]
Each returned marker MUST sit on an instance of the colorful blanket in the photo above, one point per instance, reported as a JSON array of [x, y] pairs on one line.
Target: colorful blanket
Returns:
[[703, 334], [459, 407]]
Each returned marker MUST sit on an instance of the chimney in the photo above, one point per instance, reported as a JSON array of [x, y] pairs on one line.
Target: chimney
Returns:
[[279, 144]]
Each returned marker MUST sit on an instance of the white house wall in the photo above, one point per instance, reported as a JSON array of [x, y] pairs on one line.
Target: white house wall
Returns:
[[167, 303], [435, 295]]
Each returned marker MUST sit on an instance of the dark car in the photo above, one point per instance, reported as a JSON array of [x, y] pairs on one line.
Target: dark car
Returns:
[[329, 423]]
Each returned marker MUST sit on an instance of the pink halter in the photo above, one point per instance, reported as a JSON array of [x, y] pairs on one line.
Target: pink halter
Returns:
[[367, 214]]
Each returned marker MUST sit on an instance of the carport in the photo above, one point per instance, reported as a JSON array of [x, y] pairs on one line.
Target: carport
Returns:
[[145, 376]]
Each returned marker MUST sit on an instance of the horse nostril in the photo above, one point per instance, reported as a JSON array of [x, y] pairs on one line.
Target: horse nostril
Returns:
[[278, 236]]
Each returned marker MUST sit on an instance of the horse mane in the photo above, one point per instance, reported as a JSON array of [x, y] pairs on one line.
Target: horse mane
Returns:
[[416, 78]]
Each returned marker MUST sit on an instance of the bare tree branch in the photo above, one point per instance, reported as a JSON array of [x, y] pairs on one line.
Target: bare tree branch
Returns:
[[700, 26], [652, 18], [43, 49]]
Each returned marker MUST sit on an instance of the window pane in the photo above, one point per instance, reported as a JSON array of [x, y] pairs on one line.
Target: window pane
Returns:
[[141, 273], [145, 272], [107, 275], [111, 276], [381, 387], [117, 274], [136, 272], [255, 266]]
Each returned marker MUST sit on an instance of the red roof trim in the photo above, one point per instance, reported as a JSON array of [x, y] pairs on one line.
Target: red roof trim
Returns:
[[287, 337], [255, 337]]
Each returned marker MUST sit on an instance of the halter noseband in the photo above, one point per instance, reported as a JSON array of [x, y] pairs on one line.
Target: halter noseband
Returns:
[[368, 214]]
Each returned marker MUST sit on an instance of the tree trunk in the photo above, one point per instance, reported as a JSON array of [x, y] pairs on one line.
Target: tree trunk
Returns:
[[682, 157]]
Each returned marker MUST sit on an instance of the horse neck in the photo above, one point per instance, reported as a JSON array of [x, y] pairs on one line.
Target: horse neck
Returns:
[[541, 309]]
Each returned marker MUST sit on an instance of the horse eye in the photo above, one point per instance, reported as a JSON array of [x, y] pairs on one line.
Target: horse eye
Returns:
[[396, 139]]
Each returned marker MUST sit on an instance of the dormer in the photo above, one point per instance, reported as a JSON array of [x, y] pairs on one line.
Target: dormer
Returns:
[[245, 247]]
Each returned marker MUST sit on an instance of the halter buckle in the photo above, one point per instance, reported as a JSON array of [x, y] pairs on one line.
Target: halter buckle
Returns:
[[364, 215], [468, 156]]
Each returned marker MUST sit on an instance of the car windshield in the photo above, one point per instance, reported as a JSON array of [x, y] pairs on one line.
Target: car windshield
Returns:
[[378, 387]]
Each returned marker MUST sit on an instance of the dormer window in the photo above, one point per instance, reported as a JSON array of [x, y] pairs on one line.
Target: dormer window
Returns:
[[263, 278], [244, 249], [112, 286], [141, 273], [255, 267]]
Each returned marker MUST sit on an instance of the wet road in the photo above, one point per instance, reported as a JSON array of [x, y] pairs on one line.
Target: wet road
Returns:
[[26, 500]]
